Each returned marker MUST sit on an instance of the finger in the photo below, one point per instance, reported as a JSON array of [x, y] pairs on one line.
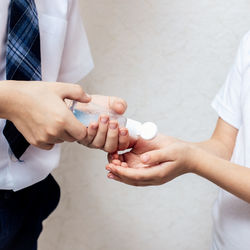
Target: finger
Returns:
[[67, 137], [128, 182], [101, 135], [74, 127], [118, 105], [124, 165], [134, 174], [58, 141], [111, 144], [114, 177], [123, 139], [46, 146], [155, 157], [52, 141], [114, 156], [91, 133], [116, 162], [73, 92]]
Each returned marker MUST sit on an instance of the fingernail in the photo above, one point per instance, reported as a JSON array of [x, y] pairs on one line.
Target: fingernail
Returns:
[[89, 96], [94, 126], [110, 176], [113, 125], [108, 168], [145, 158], [104, 120], [123, 132], [116, 162], [121, 106]]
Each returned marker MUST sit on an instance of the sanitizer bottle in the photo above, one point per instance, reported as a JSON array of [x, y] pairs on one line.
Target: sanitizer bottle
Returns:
[[90, 112]]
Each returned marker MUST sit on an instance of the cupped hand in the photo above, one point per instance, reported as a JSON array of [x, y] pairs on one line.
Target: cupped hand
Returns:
[[150, 162]]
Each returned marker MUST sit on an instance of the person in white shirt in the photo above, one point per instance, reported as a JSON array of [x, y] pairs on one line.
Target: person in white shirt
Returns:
[[37, 108], [223, 159]]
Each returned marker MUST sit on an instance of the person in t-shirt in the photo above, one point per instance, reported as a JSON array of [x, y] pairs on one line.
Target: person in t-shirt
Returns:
[[43, 49], [224, 159]]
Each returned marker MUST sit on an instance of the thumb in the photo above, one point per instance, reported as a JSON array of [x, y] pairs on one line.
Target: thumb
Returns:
[[73, 92], [156, 156], [117, 105]]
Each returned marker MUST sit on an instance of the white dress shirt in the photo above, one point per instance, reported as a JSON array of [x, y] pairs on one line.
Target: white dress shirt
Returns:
[[66, 57]]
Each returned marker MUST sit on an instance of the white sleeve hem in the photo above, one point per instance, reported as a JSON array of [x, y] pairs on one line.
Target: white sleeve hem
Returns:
[[225, 113], [77, 74]]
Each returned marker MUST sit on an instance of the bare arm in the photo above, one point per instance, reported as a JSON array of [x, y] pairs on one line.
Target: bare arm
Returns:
[[39, 112], [222, 141], [229, 176], [160, 161]]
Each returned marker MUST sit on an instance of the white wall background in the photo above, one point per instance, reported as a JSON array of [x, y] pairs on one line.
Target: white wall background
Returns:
[[167, 58]]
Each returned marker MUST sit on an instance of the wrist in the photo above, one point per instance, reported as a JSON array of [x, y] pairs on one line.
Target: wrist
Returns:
[[193, 153], [199, 160]]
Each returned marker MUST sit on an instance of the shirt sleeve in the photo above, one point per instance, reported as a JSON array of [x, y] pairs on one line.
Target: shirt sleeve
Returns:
[[76, 59], [227, 102]]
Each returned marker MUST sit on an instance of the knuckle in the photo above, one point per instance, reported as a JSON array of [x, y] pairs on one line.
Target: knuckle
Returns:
[[82, 135], [60, 120], [79, 89], [51, 132], [113, 136], [40, 140], [34, 142]]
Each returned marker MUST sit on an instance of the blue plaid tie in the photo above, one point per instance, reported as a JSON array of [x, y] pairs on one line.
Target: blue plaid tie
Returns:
[[23, 58]]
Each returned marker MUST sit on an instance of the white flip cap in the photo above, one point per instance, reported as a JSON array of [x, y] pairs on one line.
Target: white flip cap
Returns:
[[147, 131]]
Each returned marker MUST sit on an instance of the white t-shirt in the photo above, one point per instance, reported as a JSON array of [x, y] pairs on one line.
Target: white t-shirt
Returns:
[[66, 57], [232, 215]]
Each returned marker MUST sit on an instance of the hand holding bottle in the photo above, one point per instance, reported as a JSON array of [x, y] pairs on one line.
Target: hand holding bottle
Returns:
[[38, 111], [104, 131], [108, 122]]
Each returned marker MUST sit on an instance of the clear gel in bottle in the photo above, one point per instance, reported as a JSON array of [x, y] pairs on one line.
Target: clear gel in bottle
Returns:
[[87, 113]]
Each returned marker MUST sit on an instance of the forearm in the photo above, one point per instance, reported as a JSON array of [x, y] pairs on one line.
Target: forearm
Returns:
[[222, 142], [229, 176], [216, 148]]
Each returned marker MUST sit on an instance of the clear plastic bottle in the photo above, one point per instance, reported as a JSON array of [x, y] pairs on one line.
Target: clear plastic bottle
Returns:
[[90, 112]]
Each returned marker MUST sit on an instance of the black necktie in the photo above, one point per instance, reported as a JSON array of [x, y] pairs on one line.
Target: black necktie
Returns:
[[23, 58]]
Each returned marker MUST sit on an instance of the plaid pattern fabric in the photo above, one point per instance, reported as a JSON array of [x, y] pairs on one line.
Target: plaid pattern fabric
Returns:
[[23, 58]]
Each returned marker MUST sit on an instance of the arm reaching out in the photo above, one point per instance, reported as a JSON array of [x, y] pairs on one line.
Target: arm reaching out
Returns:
[[165, 158], [39, 112]]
